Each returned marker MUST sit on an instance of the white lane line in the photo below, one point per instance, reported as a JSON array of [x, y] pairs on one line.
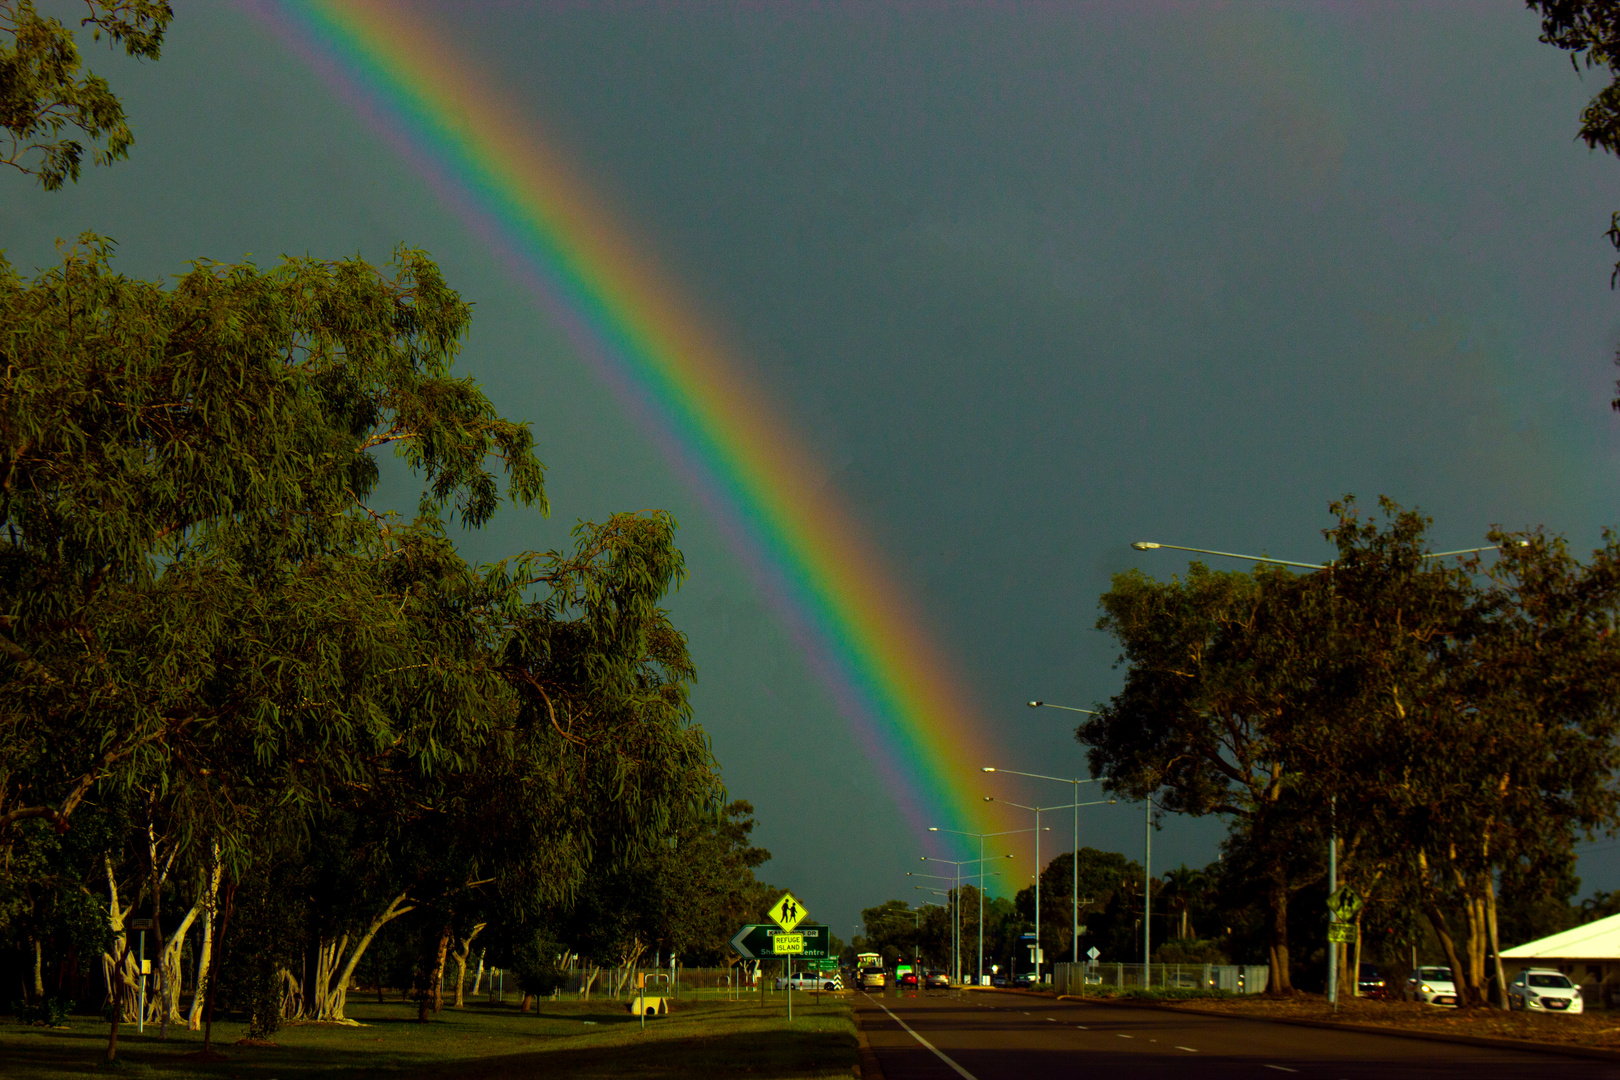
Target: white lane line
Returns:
[[963, 1073], [1281, 1068], [1123, 1036], [1082, 1027], [1049, 1020], [1189, 1049]]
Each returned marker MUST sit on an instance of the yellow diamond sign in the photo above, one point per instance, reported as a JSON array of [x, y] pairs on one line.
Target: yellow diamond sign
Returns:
[[788, 912]]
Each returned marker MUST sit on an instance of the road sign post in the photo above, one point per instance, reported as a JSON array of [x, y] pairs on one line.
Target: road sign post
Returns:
[[788, 913]]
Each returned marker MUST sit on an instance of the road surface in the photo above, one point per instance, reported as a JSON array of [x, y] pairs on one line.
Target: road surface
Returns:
[[992, 1036]]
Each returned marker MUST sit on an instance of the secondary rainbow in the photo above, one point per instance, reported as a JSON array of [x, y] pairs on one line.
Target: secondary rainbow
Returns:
[[807, 554]]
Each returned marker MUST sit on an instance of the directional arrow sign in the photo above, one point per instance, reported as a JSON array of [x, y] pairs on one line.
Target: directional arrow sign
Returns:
[[757, 940]]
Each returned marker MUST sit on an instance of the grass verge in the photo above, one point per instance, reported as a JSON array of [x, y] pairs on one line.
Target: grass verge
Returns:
[[572, 1040]]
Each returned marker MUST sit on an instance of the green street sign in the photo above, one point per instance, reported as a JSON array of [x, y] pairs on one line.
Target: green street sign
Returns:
[[1344, 932], [756, 940], [1345, 902], [825, 964]]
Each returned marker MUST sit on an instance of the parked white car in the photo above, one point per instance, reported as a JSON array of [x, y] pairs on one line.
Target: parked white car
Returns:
[[1544, 990], [1433, 986], [809, 980]]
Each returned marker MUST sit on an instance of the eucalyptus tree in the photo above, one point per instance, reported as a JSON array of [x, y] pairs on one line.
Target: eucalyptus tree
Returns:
[[1212, 710], [44, 92]]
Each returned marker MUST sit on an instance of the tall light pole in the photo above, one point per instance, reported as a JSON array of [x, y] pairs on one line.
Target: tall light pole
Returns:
[[982, 860], [982, 875], [1039, 810], [1075, 889], [953, 904], [1333, 839]]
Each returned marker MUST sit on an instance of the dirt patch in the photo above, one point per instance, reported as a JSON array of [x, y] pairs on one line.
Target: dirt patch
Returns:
[[1600, 1029]]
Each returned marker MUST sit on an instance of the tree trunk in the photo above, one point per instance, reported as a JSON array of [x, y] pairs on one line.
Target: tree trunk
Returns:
[[478, 978], [115, 962], [1355, 984], [227, 906], [1281, 982], [585, 990], [464, 950], [439, 955], [336, 997], [170, 961], [205, 955], [1442, 930], [1499, 987], [39, 970], [117, 1010]]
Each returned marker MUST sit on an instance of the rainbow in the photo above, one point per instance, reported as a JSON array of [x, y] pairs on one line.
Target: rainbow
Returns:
[[804, 551]]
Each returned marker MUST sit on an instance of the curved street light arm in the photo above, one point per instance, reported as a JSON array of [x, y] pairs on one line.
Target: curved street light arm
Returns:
[[1065, 708]]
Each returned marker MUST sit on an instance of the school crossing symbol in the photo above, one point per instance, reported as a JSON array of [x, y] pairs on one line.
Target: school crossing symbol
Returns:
[[788, 912]]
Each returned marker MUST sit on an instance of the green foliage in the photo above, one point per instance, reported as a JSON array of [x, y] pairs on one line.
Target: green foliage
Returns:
[[46, 1012], [1450, 723], [267, 934], [43, 93]]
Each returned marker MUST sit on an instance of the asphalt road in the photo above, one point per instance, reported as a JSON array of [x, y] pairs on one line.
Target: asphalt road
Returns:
[[991, 1036]]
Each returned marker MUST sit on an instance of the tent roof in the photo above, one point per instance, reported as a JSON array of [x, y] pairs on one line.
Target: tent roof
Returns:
[[1598, 940]]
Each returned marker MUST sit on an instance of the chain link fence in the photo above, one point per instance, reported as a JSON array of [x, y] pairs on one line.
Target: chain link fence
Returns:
[[1236, 978]]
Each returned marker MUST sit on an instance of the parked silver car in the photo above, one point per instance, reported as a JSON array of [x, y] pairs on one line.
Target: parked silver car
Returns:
[[1544, 990]]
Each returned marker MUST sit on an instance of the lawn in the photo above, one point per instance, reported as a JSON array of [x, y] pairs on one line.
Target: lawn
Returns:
[[567, 1039]]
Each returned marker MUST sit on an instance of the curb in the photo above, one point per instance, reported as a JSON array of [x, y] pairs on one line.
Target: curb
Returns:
[[1488, 1042], [869, 1069]]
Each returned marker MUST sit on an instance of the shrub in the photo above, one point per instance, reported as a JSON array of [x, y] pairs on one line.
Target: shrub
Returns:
[[46, 1012]]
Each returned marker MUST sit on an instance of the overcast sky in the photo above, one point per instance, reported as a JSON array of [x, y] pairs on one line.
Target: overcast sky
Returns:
[[1035, 281]]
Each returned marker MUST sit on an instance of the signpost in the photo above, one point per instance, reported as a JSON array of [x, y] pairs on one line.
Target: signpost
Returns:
[[788, 912], [1343, 903]]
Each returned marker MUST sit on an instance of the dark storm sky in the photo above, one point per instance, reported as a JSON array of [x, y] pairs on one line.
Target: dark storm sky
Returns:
[[1033, 281]]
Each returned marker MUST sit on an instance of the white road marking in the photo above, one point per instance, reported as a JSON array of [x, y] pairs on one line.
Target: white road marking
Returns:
[[1189, 1049], [1281, 1068], [963, 1073], [1049, 1020], [1082, 1027], [1122, 1036]]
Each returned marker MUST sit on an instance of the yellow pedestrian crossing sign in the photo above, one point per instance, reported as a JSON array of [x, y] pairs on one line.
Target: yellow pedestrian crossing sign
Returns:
[[788, 912]]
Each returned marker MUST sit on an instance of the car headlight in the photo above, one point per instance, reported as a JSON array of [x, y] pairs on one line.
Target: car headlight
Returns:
[[1427, 989]]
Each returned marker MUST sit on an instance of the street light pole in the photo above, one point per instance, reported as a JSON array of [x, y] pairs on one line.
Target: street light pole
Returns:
[[946, 905], [1333, 838], [1074, 891], [1038, 811], [981, 860], [969, 862]]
